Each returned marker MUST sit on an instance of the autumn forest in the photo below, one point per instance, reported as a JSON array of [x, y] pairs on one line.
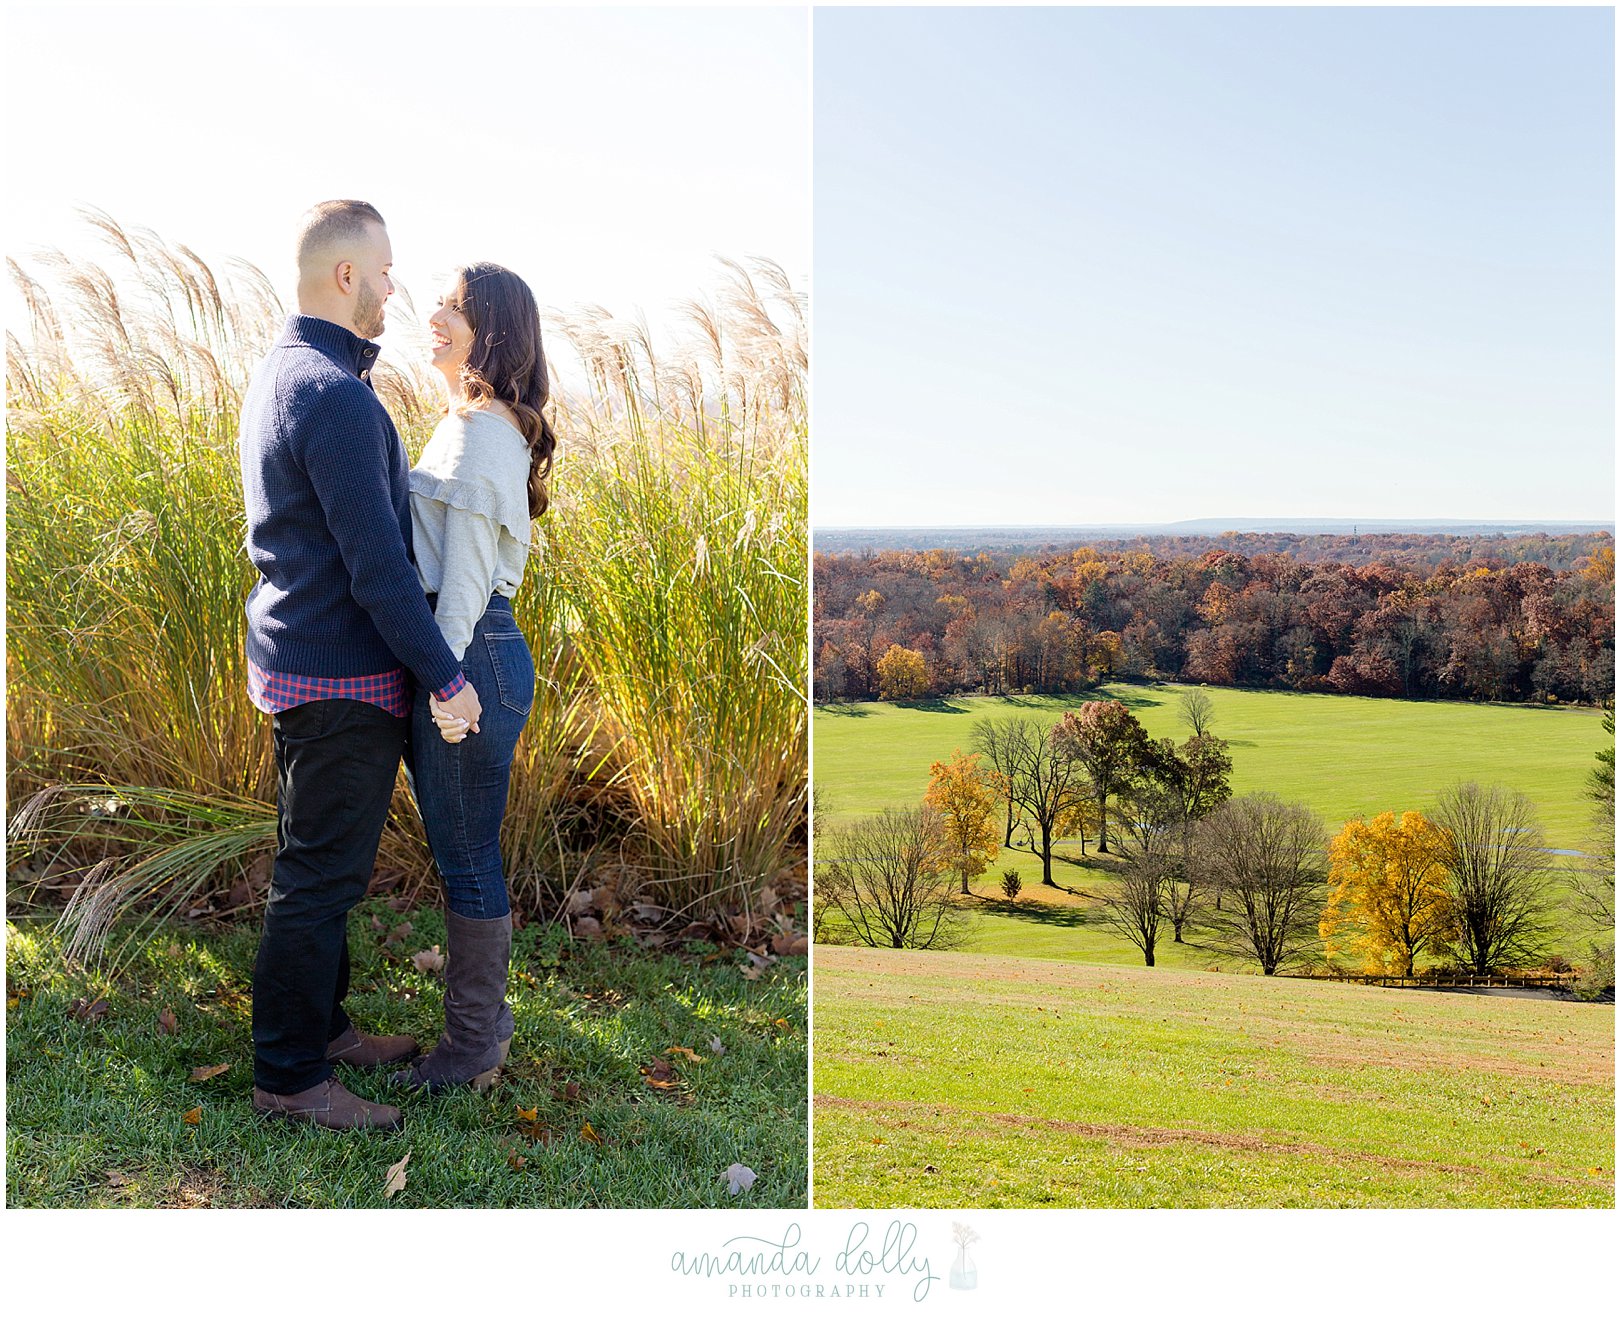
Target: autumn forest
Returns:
[[1418, 616]]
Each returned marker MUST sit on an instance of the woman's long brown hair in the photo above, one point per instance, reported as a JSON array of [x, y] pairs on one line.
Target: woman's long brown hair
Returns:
[[507, 361]]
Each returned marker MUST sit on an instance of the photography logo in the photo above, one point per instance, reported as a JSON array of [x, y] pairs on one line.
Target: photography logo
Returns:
[[869, 1265], [964, 1272]]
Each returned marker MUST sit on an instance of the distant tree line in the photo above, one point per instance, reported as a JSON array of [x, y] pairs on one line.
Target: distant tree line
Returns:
[[1473, 626]]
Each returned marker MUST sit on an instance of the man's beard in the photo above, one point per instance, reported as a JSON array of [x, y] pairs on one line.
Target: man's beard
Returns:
[[368, 312]]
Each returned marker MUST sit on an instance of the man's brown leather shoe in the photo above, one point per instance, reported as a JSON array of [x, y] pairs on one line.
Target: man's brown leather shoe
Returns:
[[328, 1105], [370, 1050]]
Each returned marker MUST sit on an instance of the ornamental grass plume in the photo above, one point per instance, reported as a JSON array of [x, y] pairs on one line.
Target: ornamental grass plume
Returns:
[[665, 603]]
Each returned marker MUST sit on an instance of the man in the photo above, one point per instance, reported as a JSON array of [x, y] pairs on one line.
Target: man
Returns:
[[336, 622]]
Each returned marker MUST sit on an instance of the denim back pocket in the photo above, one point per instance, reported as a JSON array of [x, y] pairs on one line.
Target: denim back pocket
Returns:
[[514, 670]]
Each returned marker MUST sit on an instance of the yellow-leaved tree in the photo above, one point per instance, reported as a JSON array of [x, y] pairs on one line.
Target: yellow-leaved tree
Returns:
[[902, 675], [1387, 892], [968, 797]]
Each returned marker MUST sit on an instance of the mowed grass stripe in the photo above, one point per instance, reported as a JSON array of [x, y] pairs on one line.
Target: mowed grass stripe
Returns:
[[953, 1079], [1341, 755]]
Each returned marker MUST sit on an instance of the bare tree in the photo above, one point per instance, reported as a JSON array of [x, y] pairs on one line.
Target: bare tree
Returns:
[[1138, 906], [1045, 783], [1498, 876], [1592, 875], [1182, 785], [1197, 712], [1270, 858], [993, 740], [889, 876]]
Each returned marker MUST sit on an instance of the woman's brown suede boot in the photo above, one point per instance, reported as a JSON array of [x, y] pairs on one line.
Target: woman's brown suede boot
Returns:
[[478, 1021]]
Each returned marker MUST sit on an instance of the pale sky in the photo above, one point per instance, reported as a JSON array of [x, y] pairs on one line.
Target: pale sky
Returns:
[[1089, 266], [605, 155]]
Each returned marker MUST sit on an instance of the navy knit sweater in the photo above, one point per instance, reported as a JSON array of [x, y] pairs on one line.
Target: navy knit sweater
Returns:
[[327, 491]]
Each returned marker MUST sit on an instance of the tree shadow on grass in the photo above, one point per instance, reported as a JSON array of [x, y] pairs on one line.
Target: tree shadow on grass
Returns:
[[934, 705], [1132, 700], [843, 710], [1038, 913]]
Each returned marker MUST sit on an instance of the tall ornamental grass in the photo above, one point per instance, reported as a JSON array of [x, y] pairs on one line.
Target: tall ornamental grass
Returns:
[[665, 600]]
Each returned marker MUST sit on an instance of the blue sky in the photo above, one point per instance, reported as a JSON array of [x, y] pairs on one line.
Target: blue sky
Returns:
[[1114, 265]]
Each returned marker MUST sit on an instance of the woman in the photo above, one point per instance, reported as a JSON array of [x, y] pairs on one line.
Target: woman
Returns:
[[481, 478]]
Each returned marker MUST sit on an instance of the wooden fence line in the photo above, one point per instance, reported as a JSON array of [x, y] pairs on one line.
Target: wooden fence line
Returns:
[[1465, 980]]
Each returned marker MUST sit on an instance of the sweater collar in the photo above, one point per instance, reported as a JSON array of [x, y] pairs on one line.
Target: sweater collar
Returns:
[[346, 348]]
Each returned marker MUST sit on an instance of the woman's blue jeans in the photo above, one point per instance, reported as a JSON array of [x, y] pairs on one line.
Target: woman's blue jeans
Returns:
[[461, 788]]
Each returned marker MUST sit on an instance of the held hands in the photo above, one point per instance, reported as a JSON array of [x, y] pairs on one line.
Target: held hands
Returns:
[[458, 716]]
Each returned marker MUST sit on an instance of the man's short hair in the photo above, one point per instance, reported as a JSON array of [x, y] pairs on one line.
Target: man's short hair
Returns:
[[327, 223]]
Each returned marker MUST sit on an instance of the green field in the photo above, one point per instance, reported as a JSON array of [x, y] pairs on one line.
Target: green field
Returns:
[[952, 1079], [105, 1110], [1042, 1064], [1341, 755]]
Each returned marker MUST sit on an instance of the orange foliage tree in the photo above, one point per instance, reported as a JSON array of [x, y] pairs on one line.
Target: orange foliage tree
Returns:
[[1388, 896], [968, 797], [902, 675]]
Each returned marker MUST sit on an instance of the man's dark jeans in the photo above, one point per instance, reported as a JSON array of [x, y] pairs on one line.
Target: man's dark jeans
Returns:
[[335, 764]]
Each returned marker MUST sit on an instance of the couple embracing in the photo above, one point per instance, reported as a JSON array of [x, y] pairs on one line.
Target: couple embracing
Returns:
[[381, 627]]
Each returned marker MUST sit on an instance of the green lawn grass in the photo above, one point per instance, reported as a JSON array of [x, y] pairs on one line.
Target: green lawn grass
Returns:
[[96, 1108], [955, 1079], [1341, 755]]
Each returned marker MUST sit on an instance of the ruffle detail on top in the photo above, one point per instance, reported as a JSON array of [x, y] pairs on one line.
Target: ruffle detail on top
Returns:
[[478, 463]]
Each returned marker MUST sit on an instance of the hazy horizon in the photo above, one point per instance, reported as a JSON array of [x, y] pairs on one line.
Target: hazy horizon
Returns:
[[1270, 523]]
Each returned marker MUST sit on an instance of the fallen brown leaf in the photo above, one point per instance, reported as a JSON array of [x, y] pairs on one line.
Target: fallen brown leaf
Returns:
[[589, 1133], [209, 1073], [192, 1116], [396, 1178], [87, 1010], [516, 1160], [661, 1076], [587, 927], [681, 1050], [527, 1114], [168, 1023], [429, 960]]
